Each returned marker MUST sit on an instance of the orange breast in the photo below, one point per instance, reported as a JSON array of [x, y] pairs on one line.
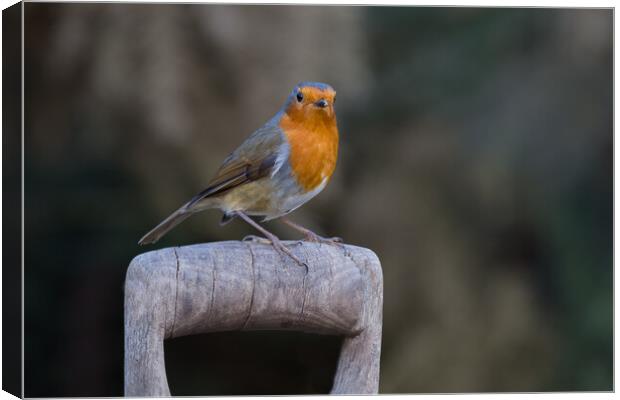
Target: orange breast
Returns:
[[313, 140]]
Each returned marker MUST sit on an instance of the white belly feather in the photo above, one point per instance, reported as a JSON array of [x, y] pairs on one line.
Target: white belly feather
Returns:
[[295, 201]]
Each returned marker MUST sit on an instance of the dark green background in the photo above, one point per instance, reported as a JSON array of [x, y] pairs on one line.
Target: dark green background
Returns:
[[476, 161]]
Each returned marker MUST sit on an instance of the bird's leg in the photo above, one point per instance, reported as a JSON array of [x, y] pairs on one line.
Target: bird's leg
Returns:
[[273, 239], [311, 236]]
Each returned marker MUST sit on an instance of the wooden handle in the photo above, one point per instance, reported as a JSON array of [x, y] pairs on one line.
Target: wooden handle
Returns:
[[228, 286]]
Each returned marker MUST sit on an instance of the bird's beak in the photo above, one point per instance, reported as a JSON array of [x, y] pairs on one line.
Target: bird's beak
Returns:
[[321, 103]]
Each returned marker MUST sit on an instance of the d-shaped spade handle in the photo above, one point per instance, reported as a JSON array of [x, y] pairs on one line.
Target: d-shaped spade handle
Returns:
[[232, 286]]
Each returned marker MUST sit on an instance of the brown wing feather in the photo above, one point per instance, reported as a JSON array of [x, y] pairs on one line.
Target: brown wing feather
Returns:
[[253, 160]]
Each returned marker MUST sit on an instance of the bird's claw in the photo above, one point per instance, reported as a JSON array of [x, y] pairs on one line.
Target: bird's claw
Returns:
[[284, 251], [278, 246], [332, 241], [313, 237]]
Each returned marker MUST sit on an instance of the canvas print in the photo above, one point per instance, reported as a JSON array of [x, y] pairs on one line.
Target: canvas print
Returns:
[[296, 199]]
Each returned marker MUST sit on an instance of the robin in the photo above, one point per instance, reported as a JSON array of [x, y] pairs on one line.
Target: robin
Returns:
[[276, 169]]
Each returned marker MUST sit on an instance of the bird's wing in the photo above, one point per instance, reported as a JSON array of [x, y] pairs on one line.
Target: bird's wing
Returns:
[[254, 159]]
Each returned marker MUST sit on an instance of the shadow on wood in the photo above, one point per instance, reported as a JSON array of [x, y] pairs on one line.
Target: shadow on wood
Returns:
[[231, 286]]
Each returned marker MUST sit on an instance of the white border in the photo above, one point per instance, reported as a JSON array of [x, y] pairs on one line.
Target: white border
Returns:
[[459, 3]]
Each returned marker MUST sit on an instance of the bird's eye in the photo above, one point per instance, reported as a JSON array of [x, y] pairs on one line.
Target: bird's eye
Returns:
[[300, 97], [334, 101]]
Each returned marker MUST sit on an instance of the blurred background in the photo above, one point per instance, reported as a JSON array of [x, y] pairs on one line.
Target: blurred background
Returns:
[[476, 161]]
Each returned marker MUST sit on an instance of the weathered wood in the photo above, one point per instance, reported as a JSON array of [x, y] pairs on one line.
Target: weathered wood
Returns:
[[229, 286]]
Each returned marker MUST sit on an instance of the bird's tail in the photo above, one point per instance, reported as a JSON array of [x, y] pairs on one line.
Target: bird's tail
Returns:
[[200, 202], [165, 226]]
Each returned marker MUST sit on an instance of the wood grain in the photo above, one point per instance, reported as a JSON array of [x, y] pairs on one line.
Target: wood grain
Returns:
[[230, 286]]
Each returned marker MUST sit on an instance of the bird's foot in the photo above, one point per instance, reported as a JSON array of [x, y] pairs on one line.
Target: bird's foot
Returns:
[[313, 237], [270, 239], [278, 246], [332, 241], [284, 251]]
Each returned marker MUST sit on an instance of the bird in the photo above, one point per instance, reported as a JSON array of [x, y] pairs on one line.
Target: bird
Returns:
[[277, 169]]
